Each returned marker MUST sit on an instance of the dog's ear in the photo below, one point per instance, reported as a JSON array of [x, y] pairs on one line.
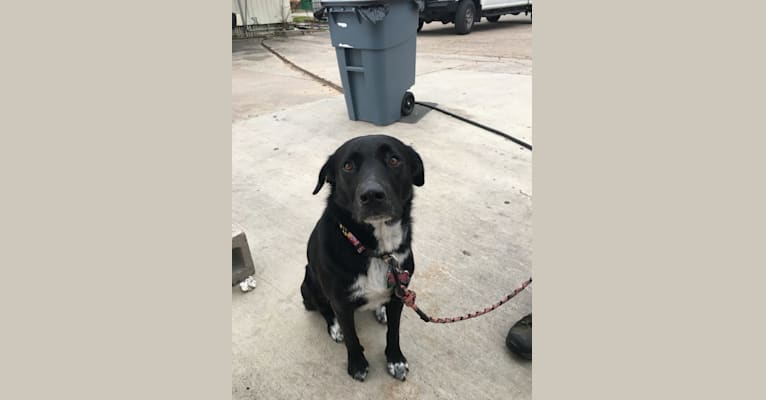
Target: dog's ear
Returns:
[[327, 173], [416, 167]]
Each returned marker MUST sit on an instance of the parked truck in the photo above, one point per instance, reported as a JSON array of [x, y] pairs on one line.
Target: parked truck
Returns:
[[464, 13]]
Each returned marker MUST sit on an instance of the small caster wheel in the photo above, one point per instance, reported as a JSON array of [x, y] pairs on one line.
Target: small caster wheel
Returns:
[[248, 284], [408, 103]]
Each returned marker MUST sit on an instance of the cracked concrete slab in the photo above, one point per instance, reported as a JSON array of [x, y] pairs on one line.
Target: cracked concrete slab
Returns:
[[260, 83]]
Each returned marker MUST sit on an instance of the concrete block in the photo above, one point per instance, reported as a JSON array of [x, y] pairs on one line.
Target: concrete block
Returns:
[[242, 268]]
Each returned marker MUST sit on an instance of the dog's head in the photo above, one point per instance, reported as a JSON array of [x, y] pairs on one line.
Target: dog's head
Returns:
[[372, 177]]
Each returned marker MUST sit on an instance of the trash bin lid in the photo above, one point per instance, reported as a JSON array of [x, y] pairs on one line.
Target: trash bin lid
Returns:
[[364, 3]]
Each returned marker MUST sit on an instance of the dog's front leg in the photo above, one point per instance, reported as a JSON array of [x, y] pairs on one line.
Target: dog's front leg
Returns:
[[357, 364], [397, 364]]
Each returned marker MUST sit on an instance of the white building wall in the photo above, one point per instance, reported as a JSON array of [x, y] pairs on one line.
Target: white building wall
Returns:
[[264, 11]]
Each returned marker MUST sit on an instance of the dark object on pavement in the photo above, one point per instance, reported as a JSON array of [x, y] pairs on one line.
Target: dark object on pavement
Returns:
[[519, 338]]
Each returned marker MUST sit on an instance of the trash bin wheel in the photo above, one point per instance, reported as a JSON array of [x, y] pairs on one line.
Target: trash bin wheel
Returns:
[[408, 103]]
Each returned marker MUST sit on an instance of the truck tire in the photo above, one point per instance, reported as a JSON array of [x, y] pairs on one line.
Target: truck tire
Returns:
[[464, 16], [493, 18], [420, 24]]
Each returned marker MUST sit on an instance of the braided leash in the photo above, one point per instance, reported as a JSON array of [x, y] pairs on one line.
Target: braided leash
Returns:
[[409, 299], [400, 279]]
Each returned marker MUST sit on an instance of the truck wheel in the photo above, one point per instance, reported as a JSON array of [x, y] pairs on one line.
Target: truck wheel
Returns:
[[464, 17], [420, 24], [408, 103], [493, 18]]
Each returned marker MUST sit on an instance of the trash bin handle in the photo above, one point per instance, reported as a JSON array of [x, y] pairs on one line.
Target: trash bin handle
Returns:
[[331, 15]]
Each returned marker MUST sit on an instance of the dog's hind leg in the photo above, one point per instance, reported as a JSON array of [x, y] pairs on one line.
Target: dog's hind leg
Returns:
[[314, 300], [333, 327], [307, 291]]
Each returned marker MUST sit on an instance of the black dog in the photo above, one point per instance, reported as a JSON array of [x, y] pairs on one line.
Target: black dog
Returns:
[[371, 179]]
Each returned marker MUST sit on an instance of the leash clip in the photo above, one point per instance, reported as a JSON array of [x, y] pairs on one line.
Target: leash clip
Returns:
[[396, 279], [390, 259]]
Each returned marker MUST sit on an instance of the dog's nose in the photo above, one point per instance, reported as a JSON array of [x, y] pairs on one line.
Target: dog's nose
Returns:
[[372, 194]]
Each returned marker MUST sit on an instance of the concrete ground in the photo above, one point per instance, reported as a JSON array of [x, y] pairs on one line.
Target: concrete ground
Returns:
[[472, 228]]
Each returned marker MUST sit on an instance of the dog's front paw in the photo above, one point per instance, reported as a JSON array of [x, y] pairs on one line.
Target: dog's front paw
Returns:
[[335, 332], [380, 315], [398, 366], [358, 368], [399, 370]]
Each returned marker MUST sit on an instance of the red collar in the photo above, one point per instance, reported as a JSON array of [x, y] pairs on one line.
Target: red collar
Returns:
[[351, 238]]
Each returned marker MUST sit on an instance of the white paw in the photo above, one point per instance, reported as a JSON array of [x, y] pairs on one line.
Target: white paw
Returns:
[[398, 370], [248, 284], [335, 332], [361, 375], [380, 315]]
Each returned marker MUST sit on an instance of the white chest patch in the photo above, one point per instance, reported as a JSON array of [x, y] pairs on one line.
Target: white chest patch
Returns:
[[389, 237], [373, 286]]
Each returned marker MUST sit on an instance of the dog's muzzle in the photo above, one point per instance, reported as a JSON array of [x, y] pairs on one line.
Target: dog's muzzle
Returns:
[[373, 202]]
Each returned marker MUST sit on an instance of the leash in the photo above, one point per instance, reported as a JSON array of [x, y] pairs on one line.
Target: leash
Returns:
[[399, 279]]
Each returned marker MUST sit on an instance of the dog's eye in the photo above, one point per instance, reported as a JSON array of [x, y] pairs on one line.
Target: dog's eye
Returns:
[[348, 166], [393, 161]]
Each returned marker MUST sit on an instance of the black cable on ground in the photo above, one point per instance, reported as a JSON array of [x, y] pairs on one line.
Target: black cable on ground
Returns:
[[474, 123], [340, 89]]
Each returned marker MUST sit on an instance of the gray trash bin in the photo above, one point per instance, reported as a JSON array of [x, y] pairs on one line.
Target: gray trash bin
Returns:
[[374, 43]]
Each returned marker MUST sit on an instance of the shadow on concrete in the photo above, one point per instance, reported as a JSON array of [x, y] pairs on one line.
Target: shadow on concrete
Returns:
[[417, 114]]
